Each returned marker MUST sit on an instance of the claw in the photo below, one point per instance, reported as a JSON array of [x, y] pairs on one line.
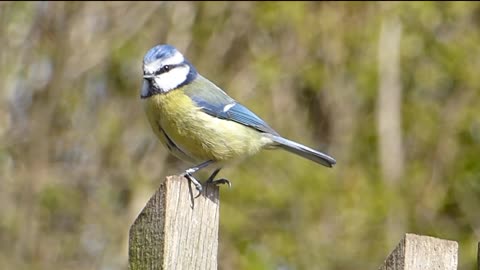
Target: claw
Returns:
[[221, 181], [198, 185], [218, 181]]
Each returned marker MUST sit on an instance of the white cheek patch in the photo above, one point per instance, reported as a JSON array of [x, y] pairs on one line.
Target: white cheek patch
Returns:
[[172, 79]]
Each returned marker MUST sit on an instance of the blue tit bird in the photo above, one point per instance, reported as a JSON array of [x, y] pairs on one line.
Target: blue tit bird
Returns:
[[199, 123]]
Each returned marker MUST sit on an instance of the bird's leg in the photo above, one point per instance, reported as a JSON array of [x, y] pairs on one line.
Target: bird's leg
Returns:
[[218, 181], [197, 184], [210, 179], [188, 174]]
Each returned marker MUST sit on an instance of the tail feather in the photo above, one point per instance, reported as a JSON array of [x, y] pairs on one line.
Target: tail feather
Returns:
[[304, 151]]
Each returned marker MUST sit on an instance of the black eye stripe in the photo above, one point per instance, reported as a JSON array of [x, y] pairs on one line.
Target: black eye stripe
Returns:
[[166, 68]]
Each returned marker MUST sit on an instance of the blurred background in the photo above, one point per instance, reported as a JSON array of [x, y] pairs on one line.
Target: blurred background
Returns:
[[391, 90]]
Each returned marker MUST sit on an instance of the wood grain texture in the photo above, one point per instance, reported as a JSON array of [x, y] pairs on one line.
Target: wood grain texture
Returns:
[[416, 252], [175, 231]]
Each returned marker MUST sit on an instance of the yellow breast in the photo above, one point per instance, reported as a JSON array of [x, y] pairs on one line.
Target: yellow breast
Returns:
[[199, 136]]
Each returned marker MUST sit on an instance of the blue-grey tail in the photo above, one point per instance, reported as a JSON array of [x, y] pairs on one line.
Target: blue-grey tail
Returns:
[[304, 151]]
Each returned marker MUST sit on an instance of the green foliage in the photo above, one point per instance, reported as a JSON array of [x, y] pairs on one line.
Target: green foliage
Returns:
[[78, 159]]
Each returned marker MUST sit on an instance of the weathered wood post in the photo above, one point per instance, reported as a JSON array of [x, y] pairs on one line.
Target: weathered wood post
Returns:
[[417, 252], [176, 231]]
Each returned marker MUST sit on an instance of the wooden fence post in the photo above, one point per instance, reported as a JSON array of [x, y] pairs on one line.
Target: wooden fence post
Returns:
[[175, 231], [416, 252]]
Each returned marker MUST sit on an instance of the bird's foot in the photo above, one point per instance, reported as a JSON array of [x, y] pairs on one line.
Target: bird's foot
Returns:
[[218, 181], [222, 181], [198, 185]]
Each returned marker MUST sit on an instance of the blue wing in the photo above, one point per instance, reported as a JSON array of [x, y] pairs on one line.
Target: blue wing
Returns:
[[236, 112], [213, 101]]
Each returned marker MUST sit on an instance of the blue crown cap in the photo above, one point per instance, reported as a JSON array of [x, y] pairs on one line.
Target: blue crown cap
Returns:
[[159, 52]]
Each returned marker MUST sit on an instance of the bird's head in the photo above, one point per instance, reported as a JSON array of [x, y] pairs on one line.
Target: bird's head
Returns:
[[165, 69]]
